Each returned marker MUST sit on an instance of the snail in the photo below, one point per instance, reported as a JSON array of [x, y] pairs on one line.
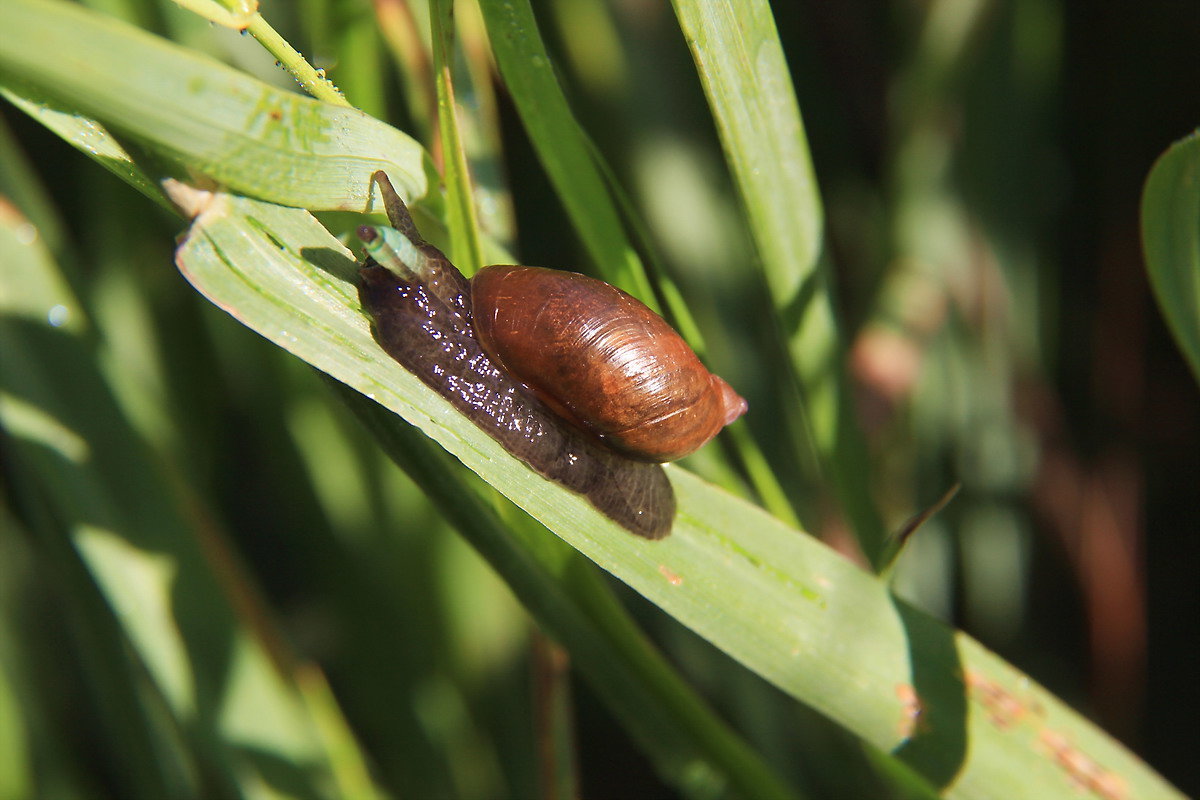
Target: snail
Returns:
[[578, 379]]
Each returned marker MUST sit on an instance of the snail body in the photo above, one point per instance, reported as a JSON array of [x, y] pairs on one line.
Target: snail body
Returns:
[[579, 380]]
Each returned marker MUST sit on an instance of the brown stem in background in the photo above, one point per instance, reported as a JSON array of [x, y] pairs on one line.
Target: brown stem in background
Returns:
[[553, 720]]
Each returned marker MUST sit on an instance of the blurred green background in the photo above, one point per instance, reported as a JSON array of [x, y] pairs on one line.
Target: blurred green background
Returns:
[[981, 165]]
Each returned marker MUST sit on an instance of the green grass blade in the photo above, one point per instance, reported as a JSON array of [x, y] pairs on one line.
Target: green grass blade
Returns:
[[139, 556], [560, 144], [16, 732], [745, 76], [481, 125], [465, 250], [91, 138], [787, 607], [1171, 240], [19, 184], [742, 67], [200, 116]]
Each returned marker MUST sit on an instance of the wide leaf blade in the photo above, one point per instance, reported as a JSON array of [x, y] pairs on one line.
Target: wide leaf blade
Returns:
[[1171, 239], [199, 115]]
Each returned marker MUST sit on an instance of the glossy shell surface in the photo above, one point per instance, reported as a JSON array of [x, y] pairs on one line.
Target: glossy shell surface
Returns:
[[602, 360]]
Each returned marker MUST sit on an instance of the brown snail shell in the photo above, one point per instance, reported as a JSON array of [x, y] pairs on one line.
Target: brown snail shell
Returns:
[[602, 360]]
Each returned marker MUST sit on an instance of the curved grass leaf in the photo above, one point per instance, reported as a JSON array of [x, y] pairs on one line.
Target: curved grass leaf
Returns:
[[564, 152], [787, 607], [91, 138], [465, 249], [1171, 239], [745, 76], [200, 116]]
